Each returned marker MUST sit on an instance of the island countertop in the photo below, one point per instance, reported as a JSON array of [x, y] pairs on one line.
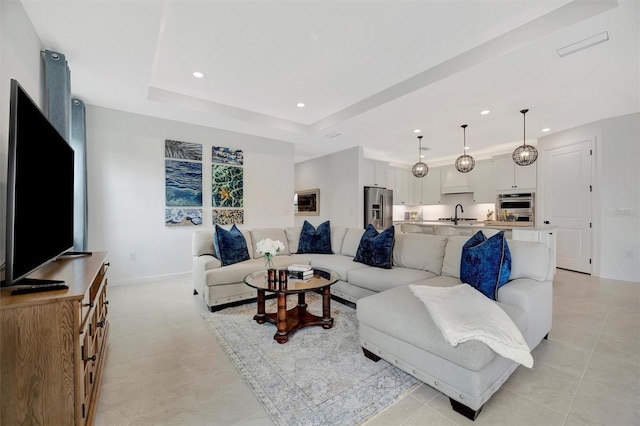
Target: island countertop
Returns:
[[475, 224]]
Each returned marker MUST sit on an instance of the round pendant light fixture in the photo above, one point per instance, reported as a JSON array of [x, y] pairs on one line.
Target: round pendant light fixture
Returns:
[[420, 169], [465, 163], [524, 155]]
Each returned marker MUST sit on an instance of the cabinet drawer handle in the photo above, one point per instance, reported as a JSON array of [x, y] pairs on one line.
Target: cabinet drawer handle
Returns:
[[92, 358], [90, 304]]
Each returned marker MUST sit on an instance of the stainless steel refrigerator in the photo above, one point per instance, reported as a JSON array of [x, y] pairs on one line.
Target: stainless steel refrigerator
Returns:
[[378, 207]]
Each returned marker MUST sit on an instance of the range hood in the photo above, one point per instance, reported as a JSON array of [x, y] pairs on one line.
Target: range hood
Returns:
[[454, 182]]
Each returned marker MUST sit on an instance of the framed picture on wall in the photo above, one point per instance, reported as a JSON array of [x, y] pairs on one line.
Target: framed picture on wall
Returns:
[[307, 202]]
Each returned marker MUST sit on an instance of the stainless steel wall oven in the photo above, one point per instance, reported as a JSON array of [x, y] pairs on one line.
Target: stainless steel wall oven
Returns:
[[521, 206]]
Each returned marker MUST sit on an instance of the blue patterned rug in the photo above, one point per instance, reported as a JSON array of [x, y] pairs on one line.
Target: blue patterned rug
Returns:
[[319, 377]]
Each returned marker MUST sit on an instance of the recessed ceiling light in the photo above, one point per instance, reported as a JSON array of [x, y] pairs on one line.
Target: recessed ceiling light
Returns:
[[300, 104], [198, 74], [485, 112], [417, 131], [546, 129], [466, 147], [422, 156]]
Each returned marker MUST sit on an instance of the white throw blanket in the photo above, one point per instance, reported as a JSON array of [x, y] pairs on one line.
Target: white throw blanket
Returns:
[[463, 313]]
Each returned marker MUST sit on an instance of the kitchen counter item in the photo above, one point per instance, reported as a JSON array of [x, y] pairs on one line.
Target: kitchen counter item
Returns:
[[507, 223]]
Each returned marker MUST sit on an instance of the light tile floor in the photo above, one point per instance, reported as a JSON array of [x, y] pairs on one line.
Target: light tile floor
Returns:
[[163, 366]]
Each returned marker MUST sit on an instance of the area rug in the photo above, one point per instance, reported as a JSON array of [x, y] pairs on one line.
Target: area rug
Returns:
[[319, 377]]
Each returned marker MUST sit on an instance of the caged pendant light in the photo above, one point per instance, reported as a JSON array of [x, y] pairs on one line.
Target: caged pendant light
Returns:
[[524, 155], [420, 169], [465, 163]]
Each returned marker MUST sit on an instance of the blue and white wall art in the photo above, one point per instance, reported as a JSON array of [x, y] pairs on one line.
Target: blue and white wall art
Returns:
[[183, 182]]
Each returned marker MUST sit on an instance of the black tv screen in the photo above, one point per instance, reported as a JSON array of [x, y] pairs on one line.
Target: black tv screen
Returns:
[[39, 189]]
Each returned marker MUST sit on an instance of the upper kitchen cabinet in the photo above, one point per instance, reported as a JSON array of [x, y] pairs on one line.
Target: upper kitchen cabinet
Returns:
[[483, 181], [375, 174], [402, 193], [511, 177]]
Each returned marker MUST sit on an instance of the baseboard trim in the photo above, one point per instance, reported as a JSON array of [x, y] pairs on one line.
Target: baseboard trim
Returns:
[[144, 280]]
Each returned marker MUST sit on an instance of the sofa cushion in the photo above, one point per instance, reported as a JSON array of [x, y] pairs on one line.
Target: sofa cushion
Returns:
[[486, 263], [342, 265], [202, 243], [399, 313], [351, 241], [419, 251], [337, 238], [452, 255], [529, 259], [293, 237], [376, 279], [314, 240], [376, 248], [230, 246], [276, 234], [236, 273]]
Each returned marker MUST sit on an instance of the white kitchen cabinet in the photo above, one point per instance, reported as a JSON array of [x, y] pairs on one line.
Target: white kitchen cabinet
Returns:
[[375, 174], [510, 176], [402, 193], [483, 182]]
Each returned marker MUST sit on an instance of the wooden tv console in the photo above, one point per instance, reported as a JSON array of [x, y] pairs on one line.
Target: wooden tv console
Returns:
[[53, 345]]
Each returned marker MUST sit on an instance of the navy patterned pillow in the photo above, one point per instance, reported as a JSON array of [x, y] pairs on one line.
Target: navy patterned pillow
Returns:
[[315, 241], [376, 249], [230, 246], [486, 263]]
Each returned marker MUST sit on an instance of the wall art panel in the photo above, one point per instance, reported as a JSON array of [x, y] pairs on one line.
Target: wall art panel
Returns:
[[182, 217]]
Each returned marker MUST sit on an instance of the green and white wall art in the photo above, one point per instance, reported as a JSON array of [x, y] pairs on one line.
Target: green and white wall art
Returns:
[[227, 186]]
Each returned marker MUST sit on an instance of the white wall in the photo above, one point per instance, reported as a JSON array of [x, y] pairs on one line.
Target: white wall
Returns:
[[338, 178], [19, 59], [616, 242], [618, 168], [126, 189]]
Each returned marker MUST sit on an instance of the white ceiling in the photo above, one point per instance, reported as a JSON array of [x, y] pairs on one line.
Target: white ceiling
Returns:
[[369, 71]]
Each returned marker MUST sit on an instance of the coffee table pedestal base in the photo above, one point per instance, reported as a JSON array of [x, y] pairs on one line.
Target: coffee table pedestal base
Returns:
[[292, 320]]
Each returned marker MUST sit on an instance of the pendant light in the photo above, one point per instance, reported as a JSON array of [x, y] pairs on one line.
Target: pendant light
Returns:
[[465, 163], [524, 155], [420, 169]]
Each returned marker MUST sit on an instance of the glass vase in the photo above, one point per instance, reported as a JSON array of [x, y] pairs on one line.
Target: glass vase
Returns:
[[269, 262]]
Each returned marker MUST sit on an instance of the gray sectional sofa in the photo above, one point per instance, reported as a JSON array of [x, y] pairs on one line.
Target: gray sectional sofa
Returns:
[[394, 324]]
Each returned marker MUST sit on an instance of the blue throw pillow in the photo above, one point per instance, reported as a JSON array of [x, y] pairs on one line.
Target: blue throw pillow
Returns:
[[486, 263], [315, 241], [230, 246], [376, 249]]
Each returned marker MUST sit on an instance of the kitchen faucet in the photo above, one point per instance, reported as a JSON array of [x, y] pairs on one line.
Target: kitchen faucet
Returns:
[[455, 216]]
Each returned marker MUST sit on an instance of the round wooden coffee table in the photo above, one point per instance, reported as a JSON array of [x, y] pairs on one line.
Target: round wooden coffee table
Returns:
[[289, 321]]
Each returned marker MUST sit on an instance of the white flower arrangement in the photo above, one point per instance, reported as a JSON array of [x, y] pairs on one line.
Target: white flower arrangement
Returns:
[[269, 248]]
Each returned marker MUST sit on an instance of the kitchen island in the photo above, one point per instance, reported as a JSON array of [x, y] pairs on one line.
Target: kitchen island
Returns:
[[516, 230]]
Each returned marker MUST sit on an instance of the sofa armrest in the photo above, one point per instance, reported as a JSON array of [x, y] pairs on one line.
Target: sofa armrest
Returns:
[[202, 264], [536, 299]]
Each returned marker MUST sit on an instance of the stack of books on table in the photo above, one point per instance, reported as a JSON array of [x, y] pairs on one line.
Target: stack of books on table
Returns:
[[300, 272]]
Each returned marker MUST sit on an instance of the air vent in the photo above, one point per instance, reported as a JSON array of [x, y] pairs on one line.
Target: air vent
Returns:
[[332, 135], [583, 44], [424, 148]]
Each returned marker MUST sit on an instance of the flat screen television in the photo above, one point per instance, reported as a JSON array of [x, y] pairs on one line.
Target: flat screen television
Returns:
[[39, 190]]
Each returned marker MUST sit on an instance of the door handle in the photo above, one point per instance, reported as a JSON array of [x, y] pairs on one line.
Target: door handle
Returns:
[[546, 222]]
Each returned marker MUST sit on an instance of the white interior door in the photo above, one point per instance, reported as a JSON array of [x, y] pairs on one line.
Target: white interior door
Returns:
[[567, 203]]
